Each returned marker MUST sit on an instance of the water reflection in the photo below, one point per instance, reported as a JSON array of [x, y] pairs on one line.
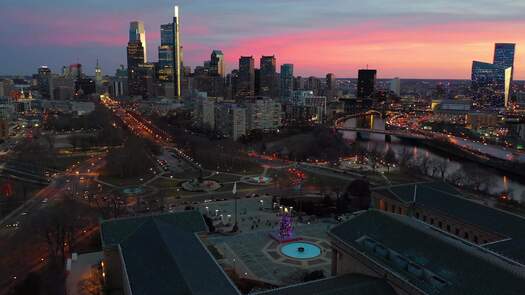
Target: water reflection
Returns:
[[498, 181]]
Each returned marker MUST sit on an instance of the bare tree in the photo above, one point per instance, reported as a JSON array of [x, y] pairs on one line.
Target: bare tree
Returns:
[[457, 177], [477, 179], [441, 165], [406, 157], [58, 225], [390, 158], [91, 284], [424, 164]]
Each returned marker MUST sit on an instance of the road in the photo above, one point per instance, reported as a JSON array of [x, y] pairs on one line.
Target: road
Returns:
[[15, 229]]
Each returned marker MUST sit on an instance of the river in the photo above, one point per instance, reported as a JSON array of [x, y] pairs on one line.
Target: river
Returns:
[[499, 181]]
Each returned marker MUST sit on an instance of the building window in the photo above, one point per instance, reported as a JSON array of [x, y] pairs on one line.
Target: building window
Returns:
[[432, 221], [424, 218], [457, 231], [400, 210], [448, 227], [417, 215], [393, 209], [476, 239], [440, 224], [465, 235]]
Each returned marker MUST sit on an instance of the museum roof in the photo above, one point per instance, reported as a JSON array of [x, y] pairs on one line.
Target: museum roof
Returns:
[[342, 285], [448, 201], [162, 255], [427, 258]]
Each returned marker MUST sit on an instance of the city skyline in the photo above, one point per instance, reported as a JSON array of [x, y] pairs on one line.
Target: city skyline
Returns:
[[416, 41]]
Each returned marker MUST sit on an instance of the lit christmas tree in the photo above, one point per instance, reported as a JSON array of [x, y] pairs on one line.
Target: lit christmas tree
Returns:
[[286, 225]]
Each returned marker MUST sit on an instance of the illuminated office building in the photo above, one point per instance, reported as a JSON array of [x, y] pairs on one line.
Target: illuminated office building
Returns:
[[138, 34], [286, 81]]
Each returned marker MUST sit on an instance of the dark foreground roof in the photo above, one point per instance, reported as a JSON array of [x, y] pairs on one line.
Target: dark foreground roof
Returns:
[[461, 268], [116, 230], [447, 200], [162, 255], [342, 285]]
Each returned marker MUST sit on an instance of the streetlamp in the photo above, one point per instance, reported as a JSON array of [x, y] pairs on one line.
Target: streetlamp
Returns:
[[236, 225]]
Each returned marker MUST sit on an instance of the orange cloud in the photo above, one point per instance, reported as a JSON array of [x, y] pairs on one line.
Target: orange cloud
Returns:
[[429, 51]]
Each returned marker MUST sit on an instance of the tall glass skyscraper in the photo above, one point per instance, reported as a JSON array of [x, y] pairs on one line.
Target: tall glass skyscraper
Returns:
[[138, 34], [504, 54], [286, 81], [165, 67], [497, 76], [166, 34], [486, 75]]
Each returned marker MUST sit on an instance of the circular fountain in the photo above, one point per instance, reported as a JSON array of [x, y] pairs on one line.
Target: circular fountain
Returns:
[[300, 250]]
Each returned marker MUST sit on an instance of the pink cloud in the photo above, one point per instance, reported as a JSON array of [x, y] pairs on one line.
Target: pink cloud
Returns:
[[433, 51]]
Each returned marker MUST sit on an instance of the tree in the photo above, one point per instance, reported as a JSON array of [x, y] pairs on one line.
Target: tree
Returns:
[[423, 164], [406, 158], [477, 179], [91, 284], [131, 160], [57, 225], [374, 157], [441, 165], [390, 158], [457, 177]]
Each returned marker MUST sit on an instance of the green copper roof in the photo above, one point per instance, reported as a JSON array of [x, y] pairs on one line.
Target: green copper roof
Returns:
[[447, 200], [464, 268], [162, 255]]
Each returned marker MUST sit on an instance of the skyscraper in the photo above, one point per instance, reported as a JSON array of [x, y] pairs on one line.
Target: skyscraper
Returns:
[[165, 65], [268, 76], [176, 54], [504, 55], [496, 77], [330, 85], [166, 34], [98, 74], [366, 83], [135, 53], [485, 75], [286, 81], [246, 80], [138, 34], [44, 74], [217, 63], [330, 82], [395, 86], [75, 71]]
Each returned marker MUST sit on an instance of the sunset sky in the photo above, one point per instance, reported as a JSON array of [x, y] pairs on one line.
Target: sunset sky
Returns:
[[405, 38]]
